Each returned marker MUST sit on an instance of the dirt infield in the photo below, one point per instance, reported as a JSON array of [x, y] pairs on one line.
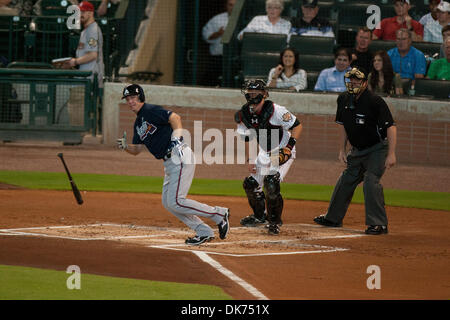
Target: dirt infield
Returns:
[[132, 235]]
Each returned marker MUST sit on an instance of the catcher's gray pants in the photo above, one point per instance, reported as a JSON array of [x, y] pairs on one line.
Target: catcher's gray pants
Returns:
[[177, 181], [368, 166]]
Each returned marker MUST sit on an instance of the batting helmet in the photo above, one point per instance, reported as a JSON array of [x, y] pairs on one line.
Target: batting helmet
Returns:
[[134, 90]]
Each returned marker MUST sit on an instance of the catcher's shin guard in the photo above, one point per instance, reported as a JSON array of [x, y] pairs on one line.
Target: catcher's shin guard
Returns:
[[256, 199], [273, 198]]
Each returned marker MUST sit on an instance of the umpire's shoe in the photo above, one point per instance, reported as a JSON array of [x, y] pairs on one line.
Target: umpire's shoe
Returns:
[[224, 226], [376, 230], [325, 222], [252, 221], [195, 241]]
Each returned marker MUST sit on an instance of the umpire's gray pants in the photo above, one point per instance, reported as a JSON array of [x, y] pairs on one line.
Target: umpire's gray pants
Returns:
[[368, 166], [177, 181]]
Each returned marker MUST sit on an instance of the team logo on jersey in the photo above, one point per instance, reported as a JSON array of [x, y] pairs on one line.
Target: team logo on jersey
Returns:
[[92, 42], [287, 117], [145, 129]]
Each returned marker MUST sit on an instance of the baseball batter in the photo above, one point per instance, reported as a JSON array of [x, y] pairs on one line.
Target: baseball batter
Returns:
[[277, 131], [160, 131]]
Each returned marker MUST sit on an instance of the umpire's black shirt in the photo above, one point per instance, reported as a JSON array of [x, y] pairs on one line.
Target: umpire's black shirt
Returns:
[[366, 124]]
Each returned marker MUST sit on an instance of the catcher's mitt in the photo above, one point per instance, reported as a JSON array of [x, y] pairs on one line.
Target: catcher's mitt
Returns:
[[284, 156]]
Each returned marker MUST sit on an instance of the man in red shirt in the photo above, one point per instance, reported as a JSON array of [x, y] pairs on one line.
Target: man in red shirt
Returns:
[[388, 26]]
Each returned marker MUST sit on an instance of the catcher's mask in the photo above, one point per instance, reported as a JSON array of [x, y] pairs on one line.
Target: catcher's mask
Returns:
[[258, 85], [358, 74], [134, 90]]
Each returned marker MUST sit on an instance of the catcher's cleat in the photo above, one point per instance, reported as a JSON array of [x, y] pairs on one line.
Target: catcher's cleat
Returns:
[[252, 221], [376, 230], [279, 224], [195, 241], [274, 229], [325, 222], [224, 225]]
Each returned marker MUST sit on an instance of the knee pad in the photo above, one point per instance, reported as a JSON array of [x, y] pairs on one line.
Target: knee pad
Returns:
[[250, 184], [272, 185]]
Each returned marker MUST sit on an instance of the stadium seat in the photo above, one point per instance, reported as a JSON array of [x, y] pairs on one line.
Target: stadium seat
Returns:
[[428, 48], [257, 64], [311, 79], [439, 89], [377, 45], [315, 62], [263, 42], [312, 45]]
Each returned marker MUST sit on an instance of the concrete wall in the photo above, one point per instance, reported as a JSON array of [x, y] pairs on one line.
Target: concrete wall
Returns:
[[423, 125]]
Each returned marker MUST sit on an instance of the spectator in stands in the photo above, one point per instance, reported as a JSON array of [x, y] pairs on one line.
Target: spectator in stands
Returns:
[[310, 24], [332, 79], [102, 9], [387, 28], [270, 23], [26, 7], [212, 33], [433, 29], [407, 60], [287, 74], [445, 35], [90, 46], [430, 16], [382, 78], [5, 10], [361, 56], [440, 69]]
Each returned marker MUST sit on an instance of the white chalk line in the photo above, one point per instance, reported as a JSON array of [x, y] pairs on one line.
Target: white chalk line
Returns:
[[241, 282]]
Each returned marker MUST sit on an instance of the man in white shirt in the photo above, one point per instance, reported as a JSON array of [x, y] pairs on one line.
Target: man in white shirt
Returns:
[[433, 29], [431, 16], [270, 23], [212, 34]]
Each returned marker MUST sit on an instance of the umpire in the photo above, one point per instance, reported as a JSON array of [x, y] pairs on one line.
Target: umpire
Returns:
[[367, 124]]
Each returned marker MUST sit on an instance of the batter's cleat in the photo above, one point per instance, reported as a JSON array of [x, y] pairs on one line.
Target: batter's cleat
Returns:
[[325, 222], [376, 230], [279, 224], [224, 226], [274, 229], [252, 221], [195, 241]]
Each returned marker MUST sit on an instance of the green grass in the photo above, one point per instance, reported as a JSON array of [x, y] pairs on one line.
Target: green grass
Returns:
[[23, 283], [119, 183]]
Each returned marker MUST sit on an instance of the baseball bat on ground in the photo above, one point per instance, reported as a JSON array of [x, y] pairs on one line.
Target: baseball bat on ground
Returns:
[[75, 190]]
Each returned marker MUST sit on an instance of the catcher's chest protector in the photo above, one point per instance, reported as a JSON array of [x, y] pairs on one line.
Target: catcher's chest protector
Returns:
[[259, 121]]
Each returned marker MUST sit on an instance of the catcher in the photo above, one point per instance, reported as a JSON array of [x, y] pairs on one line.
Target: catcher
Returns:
[[276, 130]]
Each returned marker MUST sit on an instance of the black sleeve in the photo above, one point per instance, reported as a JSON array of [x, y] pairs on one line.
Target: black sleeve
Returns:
[[340, 100], [385, 119], [296, 123], [238, 117]]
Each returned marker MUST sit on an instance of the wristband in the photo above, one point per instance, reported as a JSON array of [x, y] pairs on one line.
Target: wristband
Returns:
[[291, 143]]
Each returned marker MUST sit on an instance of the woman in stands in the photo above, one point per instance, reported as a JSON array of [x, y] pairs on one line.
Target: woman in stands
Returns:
[[382, 78], [269, 23], [287, 75]]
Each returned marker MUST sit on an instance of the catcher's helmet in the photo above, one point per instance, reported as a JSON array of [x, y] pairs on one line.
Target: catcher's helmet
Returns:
[[257, 84], [134, 90]]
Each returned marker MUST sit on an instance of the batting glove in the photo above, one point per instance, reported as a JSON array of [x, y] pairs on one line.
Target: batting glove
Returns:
[[176, 144], [122, 142]]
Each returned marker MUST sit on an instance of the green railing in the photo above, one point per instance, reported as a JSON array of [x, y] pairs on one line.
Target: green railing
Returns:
[[46, 104]]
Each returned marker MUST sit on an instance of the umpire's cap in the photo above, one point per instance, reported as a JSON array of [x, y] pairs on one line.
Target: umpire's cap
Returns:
[[134, 90]]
